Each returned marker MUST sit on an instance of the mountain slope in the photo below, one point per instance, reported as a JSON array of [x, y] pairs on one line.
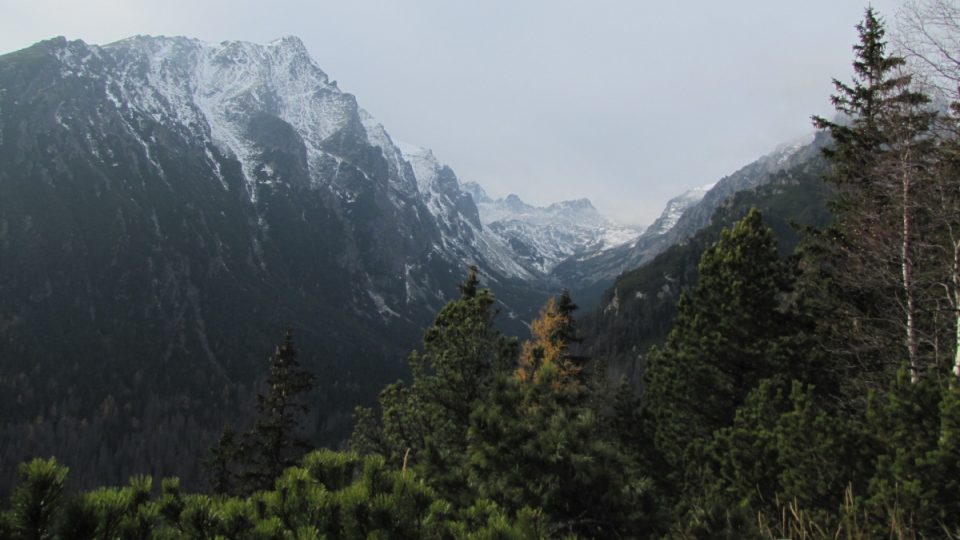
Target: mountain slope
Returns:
[[637, 310], [167, 207], [675, 209]]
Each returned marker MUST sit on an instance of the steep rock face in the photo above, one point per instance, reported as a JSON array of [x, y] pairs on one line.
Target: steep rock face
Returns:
[[167, 206], [263, 121], [459, 218]]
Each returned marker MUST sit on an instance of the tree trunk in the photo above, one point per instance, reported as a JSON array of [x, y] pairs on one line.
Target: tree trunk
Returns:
[[956, 306], [906, 264]]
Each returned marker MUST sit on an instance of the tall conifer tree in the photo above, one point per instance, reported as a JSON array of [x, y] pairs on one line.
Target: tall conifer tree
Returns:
[[275, 442], [537, 442], [424, 423], [881, 154], [730, 332]]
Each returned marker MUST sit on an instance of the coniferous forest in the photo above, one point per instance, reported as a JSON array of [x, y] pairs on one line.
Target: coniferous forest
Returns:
[[801, 390]]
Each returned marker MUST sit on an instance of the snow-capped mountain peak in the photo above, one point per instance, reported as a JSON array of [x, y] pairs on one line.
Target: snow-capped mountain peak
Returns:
[[426, 168], [268, 116], [224, 89]]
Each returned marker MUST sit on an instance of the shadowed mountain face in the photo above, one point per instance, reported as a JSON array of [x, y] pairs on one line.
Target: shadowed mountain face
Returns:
[[167, 207]]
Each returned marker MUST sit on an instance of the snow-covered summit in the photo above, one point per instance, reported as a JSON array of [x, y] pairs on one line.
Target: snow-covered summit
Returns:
[[218, 90], [266, 119], [476, 191], [783, 152], [426, 168]]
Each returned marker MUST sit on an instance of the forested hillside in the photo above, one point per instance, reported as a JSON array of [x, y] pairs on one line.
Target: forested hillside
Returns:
[[638, 310]]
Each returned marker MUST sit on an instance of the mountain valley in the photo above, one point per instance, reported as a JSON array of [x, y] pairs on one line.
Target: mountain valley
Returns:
[[168, 207]]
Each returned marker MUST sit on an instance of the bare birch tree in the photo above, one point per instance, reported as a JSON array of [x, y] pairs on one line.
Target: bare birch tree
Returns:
[[929, 36]]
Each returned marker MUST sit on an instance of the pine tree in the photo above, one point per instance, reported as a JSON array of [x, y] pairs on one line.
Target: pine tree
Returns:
[[905, 423], [732, 331], [36, 502], [424, 423], [538, 442], [786, 447]]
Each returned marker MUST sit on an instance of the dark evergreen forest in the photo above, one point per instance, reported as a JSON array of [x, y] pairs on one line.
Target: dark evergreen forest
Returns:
[[800, 388]]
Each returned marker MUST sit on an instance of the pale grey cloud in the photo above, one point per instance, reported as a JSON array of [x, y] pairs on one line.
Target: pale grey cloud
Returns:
[[625, 102]]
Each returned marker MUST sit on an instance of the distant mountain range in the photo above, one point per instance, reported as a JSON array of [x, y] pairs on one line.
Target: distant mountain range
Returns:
[[543, 237]]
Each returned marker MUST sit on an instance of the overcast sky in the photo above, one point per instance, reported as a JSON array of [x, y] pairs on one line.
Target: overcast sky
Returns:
[[625, 102]]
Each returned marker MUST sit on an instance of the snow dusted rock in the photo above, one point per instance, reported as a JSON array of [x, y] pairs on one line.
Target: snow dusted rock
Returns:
[[273, 111], [232, 95], [542, 237]]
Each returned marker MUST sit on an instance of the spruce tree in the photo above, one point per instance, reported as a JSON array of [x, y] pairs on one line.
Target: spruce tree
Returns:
[[881, 155], [275, 442], [221, 466]]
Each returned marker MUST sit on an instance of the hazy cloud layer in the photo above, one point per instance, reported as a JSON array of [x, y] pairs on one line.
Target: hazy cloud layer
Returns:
[[626, 102]]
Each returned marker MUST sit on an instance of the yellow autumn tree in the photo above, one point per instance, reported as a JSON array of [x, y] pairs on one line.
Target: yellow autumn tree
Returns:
[[546, 358]]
